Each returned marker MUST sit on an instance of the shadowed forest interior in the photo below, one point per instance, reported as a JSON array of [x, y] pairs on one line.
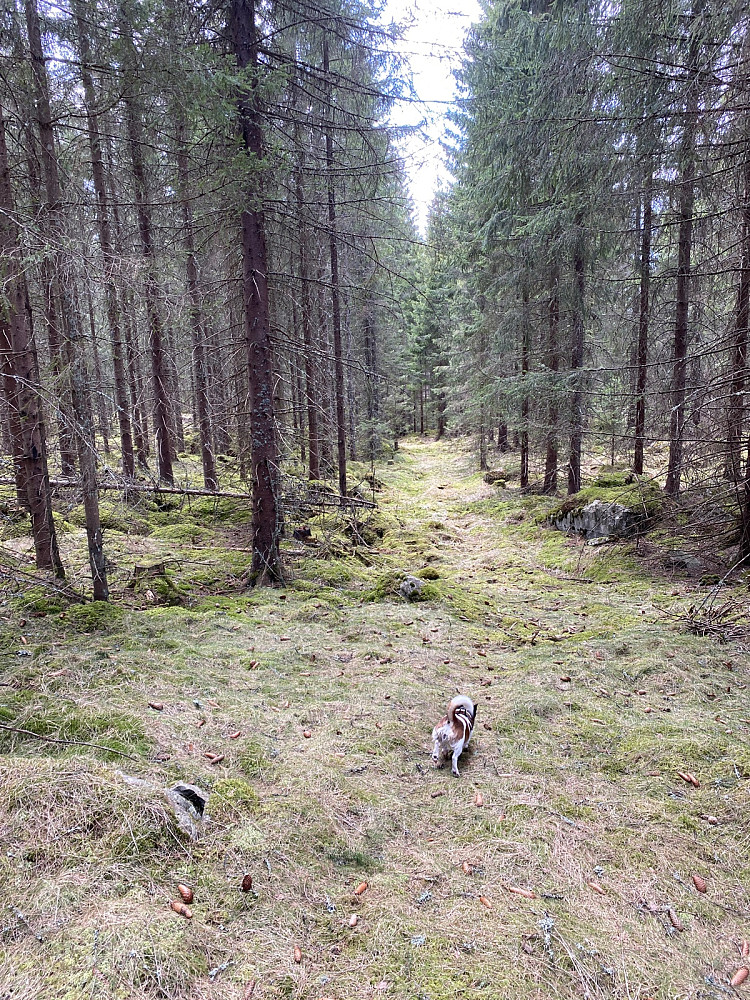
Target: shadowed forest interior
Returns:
[[281, 473]]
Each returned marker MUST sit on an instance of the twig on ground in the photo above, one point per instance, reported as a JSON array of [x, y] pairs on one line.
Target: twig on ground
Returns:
[[72, 743]]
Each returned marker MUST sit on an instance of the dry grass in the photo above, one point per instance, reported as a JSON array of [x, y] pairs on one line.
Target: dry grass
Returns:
[[578, 743]]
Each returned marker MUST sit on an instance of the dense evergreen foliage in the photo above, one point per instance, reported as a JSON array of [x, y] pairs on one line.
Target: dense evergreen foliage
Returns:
[[207, 247]]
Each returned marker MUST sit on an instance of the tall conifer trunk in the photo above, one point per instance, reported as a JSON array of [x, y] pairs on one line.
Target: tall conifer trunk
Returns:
[[21, 380], [266, 560], [80, 391], [643, 319], [335, 291], [553, 364], [576, 360], [684, 248], [197, 324], [525, 350], [159, 369], [105, 241]]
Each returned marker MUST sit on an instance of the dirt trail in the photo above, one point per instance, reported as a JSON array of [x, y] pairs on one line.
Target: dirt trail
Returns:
[[572, 877]]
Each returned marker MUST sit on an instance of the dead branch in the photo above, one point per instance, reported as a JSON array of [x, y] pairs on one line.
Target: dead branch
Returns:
[[72, 743]]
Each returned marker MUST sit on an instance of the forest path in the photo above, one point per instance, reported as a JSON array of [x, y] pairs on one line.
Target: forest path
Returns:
[[556, 865]]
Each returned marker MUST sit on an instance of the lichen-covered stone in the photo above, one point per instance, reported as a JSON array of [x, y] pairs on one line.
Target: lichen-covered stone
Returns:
[[609, 511], [411, 587]]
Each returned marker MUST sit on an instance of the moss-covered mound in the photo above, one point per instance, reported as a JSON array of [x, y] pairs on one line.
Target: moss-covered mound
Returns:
[[389, 588], [617, 506]]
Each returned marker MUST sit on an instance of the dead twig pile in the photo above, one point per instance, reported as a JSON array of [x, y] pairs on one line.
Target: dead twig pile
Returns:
[[727, 622]]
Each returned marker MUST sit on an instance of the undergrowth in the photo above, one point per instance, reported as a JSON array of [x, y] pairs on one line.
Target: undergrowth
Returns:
[[305, 714]]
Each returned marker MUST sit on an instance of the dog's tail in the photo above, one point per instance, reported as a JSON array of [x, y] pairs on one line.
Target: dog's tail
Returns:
[[462, 701]]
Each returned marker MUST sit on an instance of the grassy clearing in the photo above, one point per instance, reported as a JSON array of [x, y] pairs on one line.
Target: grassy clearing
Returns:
[[589, 703]]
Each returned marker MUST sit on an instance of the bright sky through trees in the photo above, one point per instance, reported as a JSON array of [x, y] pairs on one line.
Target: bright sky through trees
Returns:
[[432, 42]]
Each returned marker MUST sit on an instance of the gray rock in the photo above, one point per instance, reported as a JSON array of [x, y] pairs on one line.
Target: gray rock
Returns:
[[186, 803], [683, 560], [411, 587], [600, 519]]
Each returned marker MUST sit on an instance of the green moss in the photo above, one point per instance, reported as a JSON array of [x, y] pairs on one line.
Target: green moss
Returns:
[[614, 476], [252, 758], [66, 721], [646, 496], [99, 616], [186, 533], [387, 588], [232, 798], [429, 573], [164, 587], [40, 601], [113, 517]]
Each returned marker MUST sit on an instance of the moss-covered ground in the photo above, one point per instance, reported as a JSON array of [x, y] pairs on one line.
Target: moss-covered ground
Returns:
[[320, 698]]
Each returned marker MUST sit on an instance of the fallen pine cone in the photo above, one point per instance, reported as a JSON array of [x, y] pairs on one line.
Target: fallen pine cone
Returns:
[[675, 920], [466, 868], [306, 733], [186, 892], [158, 706], [690, 778], [479, 799], [526, 893], [740, 976], [362, 887], [596, 887], [247, 883], [179, 907], [297, 954], [235, 736], [699, 882], [436, 795], [485, 902], [745, 949], [353, 920]]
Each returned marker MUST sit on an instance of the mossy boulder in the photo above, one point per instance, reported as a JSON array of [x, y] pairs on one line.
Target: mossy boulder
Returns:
[[99, 616], [389, 588], [619, 509], [497, 478], [39, 602]]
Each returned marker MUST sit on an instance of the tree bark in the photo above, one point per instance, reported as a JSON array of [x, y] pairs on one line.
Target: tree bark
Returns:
[[335, 292], [159, 370], [736, 406], [525, 351], [43, 147], [21, 380], [267, 519], [576, 361], [79, 385], [197, 324], [643, 320], [102, 410], [684, 248], [306, 305], [553, 364]]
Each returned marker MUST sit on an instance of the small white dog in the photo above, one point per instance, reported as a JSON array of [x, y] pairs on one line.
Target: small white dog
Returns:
[[452, 734]]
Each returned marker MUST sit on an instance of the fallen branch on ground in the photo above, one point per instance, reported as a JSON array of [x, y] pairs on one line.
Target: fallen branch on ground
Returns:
[[72, 743]]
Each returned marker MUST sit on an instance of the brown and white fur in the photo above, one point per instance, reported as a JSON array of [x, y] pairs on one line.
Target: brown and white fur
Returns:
[[452, 734]]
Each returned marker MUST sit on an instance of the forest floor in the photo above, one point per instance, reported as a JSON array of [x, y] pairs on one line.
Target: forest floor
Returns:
[[591, 698]]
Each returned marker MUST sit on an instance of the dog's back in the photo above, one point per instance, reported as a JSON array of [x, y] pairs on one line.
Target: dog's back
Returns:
[[453, 732], [461, 715]]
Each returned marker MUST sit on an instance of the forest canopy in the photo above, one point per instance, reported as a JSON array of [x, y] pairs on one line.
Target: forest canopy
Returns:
[[209, 250]]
